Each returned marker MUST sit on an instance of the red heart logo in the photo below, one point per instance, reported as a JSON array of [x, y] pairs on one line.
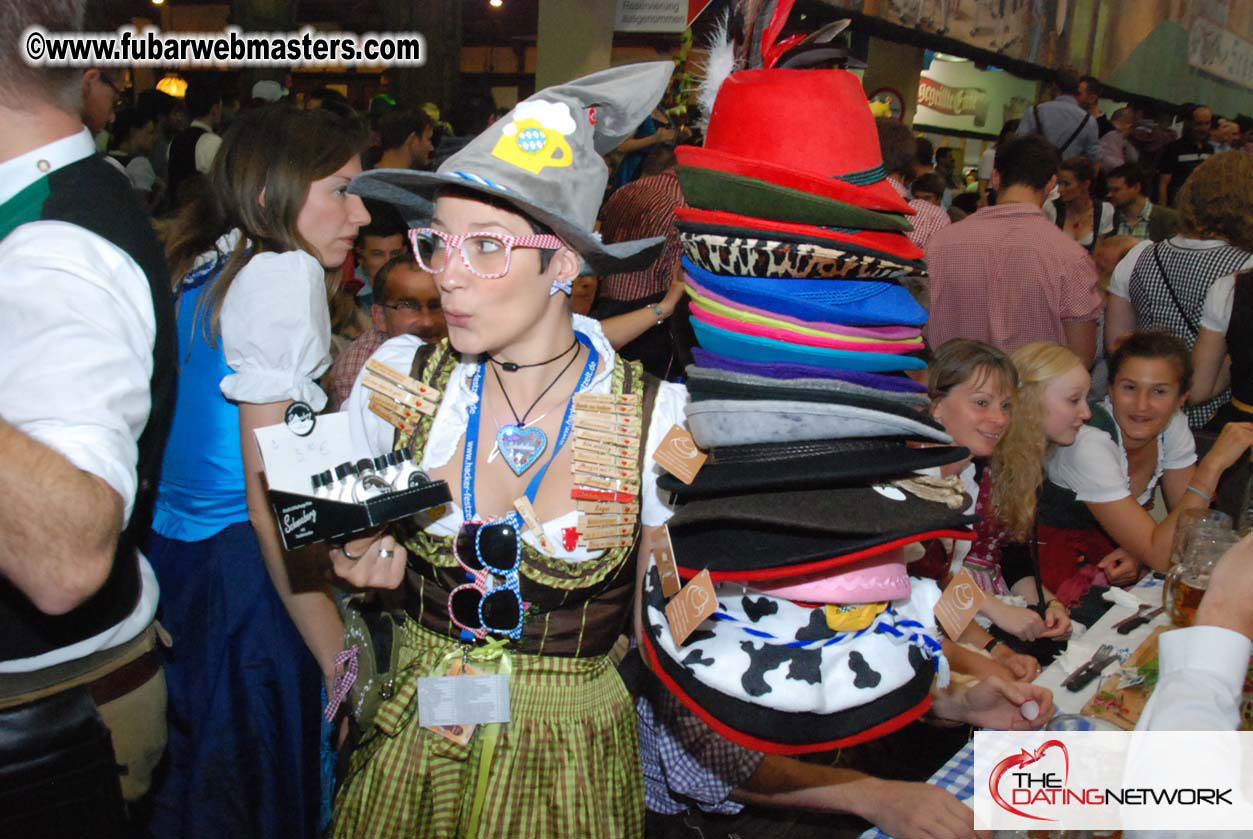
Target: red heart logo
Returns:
[[1025, 758]]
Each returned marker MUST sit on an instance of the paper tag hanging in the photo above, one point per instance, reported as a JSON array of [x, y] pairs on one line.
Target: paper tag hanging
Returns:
[[663, 555], [958, 604], [694, 602], [677, 454]]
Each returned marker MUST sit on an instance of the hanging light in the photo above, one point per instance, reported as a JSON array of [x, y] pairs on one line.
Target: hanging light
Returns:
[[495, 4], [158, 2], [173, 84]]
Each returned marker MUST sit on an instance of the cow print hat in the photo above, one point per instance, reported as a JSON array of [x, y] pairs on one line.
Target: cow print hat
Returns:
[[770, 675]]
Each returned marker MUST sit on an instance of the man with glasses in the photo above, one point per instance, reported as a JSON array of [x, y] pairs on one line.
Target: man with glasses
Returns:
[[102, 90], [406, 302]]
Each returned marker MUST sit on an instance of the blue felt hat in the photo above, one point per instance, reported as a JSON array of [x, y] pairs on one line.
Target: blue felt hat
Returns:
[[850, 302]]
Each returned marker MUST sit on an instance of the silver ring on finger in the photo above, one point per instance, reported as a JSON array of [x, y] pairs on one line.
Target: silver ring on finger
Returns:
[[386, 553]]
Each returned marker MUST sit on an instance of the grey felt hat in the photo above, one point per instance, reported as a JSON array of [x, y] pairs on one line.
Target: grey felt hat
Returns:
[[739, 422], [545, 158]]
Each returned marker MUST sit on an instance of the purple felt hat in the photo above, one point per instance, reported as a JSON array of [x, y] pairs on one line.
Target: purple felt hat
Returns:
[[705, 358]]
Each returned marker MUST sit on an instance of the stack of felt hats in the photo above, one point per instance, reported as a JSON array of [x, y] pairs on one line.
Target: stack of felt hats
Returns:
[[794, 253]]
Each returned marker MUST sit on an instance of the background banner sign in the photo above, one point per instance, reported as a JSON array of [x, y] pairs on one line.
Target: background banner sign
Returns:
[[652, 15], [954, 101], [1220, 52], [1113, 780]]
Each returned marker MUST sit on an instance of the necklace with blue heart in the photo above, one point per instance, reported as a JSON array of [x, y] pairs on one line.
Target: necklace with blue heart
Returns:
[[520, 445]]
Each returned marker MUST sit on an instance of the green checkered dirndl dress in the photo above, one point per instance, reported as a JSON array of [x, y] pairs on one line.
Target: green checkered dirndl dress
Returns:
[[567, 764]]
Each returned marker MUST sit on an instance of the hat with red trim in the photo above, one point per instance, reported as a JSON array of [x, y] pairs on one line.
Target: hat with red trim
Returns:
[[771, 674], [772, 535]]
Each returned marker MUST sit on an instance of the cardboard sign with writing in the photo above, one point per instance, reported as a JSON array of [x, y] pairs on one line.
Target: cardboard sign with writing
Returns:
[[679, 456], [663, 555], [694, 602], [958, 604]]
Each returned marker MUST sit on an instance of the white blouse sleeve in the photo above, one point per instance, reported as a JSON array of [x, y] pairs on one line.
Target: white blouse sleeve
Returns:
[[371, 434], [143, 176], [1107, 219], [1216, 316], [1090, 468], [1120, 279], [1178, 444], [276, 330], [668, 410]]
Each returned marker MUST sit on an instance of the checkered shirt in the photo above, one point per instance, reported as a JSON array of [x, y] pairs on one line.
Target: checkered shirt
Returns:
[[957, 776], [687, 762], [1141, 227], [640, 210], [927, 219], [1008, 277], [349, 363], [1191, 271]]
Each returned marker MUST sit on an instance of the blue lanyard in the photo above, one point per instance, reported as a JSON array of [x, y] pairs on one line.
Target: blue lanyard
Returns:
[[472, 432]]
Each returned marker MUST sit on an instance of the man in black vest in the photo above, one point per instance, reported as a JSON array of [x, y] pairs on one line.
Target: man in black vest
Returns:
[[86, 380], [192, 150]]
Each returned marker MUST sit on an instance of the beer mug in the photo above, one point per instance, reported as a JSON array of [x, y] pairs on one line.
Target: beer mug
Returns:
[[1197, 520], [1188, 579]]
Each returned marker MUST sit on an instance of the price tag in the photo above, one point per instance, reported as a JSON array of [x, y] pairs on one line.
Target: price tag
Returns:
[[958, 604], [663, 555], [694, 602], [679, 456]]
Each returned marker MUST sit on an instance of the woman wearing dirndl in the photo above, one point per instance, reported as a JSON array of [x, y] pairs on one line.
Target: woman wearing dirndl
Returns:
[[538, 431], [249, 260]]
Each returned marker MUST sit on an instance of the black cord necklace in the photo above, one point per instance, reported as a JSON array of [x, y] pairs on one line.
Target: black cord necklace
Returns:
[[510, 367], [520, 422]]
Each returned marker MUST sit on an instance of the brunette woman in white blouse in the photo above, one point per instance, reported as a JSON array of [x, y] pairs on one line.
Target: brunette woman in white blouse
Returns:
[[1101, 484], [249, 262]]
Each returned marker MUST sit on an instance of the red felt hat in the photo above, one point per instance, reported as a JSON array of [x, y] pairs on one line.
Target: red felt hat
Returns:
[[806, 130]]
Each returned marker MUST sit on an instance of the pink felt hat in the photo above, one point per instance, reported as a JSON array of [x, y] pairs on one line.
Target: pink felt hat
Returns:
[[790, 337], [872, 580]]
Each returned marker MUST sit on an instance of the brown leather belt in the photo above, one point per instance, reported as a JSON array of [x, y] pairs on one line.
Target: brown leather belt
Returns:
[[126, 678], [108, 674]]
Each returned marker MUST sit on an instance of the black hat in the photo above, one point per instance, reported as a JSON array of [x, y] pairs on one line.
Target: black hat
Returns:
[[736, 470], [772, 535]]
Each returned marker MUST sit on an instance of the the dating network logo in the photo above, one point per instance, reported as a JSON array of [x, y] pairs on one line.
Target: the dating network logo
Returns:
[[1027, 787]]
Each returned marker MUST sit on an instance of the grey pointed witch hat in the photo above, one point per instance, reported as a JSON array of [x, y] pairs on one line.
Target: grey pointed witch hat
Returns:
[[545, 158]]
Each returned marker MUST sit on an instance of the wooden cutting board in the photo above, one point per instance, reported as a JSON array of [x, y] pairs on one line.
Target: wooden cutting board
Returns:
[[1123, 706]]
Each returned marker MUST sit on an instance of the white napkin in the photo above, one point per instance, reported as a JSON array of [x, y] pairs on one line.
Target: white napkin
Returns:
[[1076, 654], [1120, 597]]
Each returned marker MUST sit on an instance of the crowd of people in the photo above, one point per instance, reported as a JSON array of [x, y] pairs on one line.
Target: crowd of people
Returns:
[[169, 669]]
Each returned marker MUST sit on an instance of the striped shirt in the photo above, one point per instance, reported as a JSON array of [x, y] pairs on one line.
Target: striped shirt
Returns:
[[640, 210]]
